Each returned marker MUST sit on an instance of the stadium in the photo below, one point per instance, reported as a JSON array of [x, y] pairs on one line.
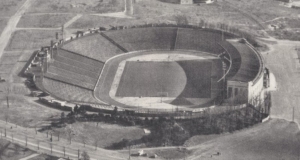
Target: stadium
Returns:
[[151, 69]]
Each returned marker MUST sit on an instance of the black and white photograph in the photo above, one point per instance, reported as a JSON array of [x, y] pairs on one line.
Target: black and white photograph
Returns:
[[149, 79]]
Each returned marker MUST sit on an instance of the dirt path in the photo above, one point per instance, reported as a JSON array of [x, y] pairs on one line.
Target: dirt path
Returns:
[[11, 26], [74, 19]]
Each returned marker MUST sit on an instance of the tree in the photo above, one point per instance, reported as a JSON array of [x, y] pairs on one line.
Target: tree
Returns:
[[83, 139], [57, 132], [115, 111], [76, 109], [96, 141], [6, 115], [69, 133], [62, 116], [85, 156]]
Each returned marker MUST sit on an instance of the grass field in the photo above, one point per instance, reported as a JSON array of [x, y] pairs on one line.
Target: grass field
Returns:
[[11, 65], [9, 7], [20, 111], [10, 151], [275, 139], [186, 79], [44, 21], [91, 21], [30, 39], [104, 134], [3, 22], [77, 6]]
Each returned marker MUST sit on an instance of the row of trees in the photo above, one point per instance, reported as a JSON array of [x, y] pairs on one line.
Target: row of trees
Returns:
[[166, 131]]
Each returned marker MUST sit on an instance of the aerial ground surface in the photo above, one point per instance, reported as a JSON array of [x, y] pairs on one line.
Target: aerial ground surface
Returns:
[[276, 139]]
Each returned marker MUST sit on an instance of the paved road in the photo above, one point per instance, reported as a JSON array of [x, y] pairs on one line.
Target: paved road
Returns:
[[282, 59]]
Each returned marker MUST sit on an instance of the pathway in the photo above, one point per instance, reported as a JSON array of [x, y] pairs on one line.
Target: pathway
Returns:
[[11, 26]]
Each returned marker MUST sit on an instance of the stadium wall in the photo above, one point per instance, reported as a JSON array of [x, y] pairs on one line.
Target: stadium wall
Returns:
[[255, 90], [234, 88]]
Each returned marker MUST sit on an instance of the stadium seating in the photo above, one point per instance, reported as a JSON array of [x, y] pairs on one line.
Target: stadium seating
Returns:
[[199, 40], [68, 92], [64, 78], [79, 58], [144, 38], [74, 69], [77, 63], [71, 75], [93, 46], [249, 64]]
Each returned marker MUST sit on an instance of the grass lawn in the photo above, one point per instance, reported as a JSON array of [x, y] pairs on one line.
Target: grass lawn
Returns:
[[3, 22], [21, 111], [44, 21], [258, 9], [275, 139], [77, 6], [11, 65], [10, 151], [104, 134], [30, 39], [9, 7], [216, 12], [44, 157], [91, 21]]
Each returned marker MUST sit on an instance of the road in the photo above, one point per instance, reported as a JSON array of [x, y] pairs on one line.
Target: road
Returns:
[[283, 61], [41, 143]]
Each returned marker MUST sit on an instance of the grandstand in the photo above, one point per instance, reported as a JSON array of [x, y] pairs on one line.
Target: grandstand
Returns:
[[200, 40], [137, 39], [68, 92], [92, 46], [249, 65], [233, 56], [74, 69]]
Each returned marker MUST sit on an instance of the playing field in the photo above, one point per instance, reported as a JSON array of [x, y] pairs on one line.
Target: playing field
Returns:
[[186, 79]]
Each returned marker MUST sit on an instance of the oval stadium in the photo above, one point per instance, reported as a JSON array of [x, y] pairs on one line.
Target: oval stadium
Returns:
[[151, 69]]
